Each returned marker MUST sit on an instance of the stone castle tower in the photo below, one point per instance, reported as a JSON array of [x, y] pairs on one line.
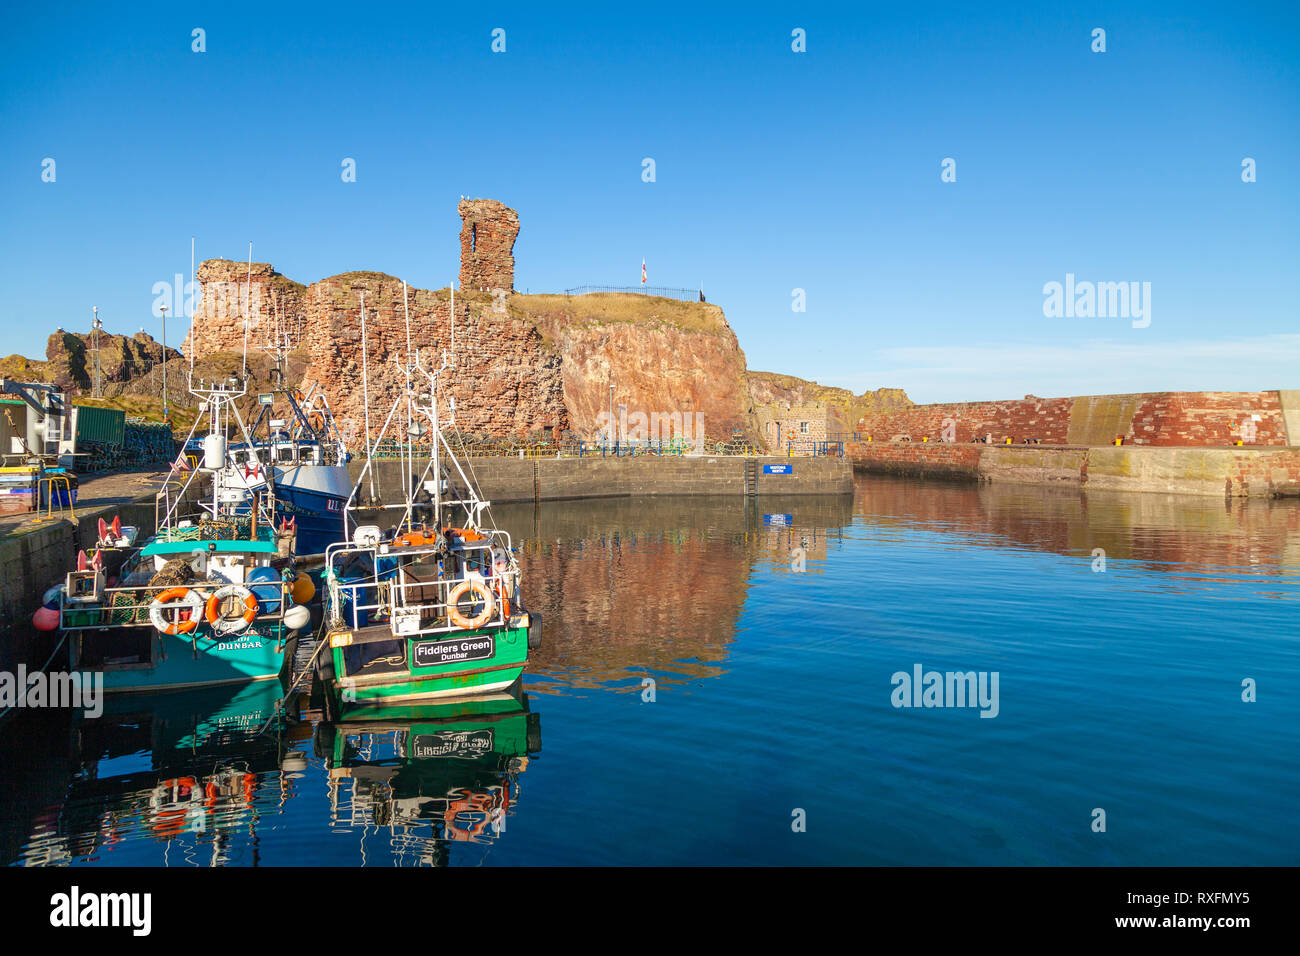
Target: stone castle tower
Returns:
[[487, 241]]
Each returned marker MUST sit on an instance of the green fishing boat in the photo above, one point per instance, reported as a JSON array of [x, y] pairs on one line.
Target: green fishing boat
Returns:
[[433, 775], [430, 607]]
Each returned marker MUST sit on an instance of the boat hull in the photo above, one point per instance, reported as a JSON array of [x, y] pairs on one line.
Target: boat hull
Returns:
[[314, 496], [258, 653], [433, 667]]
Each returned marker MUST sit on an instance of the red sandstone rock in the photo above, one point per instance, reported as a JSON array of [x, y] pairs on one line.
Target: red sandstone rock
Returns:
[[524, 364]]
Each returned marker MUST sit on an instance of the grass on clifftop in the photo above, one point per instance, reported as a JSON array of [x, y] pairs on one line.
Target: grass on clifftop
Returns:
[[598, 308]]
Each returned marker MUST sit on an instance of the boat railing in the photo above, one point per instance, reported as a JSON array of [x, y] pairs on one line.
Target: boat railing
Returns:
[[130, 606], [412, 608], [417, 597]]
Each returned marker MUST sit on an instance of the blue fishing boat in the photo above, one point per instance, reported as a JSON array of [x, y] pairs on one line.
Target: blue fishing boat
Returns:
[[303, 458]]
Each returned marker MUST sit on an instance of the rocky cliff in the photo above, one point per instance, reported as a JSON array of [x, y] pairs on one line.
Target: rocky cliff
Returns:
[[123, 361], [129, 365], [506, 383], [843, 408], [526, 366]]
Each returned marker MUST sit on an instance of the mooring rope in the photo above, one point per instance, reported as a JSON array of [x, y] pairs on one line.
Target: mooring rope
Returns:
[[62, 641]]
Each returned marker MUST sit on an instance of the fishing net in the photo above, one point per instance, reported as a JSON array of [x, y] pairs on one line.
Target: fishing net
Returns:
[[174, 573]]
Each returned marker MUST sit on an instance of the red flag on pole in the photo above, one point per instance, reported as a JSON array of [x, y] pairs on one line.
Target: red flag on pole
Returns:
[[643, 271]]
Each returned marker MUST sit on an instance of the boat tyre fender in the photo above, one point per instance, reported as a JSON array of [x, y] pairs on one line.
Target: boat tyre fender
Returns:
[[225, 625], [172, 597], [324, 665], [534, 630], [481, 593]]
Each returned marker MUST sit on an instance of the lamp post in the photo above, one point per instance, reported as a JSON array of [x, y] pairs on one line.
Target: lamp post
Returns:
[[164, 360]]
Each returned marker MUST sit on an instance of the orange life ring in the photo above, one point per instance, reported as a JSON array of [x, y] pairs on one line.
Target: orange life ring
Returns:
[[790, 434], [213, 609], [484, 594], [468, 818]]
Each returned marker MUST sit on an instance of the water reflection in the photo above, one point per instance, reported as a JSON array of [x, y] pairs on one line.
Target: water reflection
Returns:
[[192, 773], [630, 587], [1144, 662], [1183, 534], [423, 777]]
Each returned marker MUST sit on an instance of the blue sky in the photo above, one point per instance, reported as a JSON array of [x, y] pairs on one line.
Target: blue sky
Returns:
[[775, 170]]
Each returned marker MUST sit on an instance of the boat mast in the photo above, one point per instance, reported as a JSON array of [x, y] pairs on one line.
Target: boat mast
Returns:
[[365, 393], [433, 401], [408, 454], [248, 292]]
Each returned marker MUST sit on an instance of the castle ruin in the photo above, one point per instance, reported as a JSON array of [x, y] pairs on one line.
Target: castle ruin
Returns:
[[487, 241]]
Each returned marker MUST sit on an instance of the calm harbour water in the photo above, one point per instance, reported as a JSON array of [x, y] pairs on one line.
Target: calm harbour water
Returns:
[[771, 694]]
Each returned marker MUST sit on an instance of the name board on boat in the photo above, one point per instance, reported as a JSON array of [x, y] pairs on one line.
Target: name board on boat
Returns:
[[480, 647], [247, 639], [779, 521], [778, 469], [452, 743]]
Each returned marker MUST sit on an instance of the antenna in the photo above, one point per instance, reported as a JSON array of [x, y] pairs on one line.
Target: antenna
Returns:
[[406, 309], [194, 288], [95, 326], [164, 361], [279, 341]]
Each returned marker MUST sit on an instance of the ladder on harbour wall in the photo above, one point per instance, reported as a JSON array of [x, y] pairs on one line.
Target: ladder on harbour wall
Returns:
[[751, 477]]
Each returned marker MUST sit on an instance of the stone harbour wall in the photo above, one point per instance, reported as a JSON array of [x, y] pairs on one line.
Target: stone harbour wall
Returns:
[[1151, 418], [1225, 472]]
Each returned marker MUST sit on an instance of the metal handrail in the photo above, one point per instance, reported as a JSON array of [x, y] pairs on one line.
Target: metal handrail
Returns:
[[391, 594], [105, 609], [49, 482], [391, 599]]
